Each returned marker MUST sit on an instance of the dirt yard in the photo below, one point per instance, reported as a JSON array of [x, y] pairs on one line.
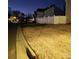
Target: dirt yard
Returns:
[[50, 41]]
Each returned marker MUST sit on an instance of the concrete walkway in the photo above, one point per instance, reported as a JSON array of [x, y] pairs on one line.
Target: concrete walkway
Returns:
[[21, 46], [17, 46], [12, 41]]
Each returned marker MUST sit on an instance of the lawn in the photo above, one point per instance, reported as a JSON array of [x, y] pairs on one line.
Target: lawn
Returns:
[[50, 41]]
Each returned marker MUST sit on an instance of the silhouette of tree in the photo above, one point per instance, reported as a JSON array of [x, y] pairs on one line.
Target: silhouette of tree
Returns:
[[16, 13], [9, 12], [22, 17]]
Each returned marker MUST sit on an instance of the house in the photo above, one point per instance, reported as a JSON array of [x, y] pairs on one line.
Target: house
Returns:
[[44, 15], [50, 15], [59, 16]]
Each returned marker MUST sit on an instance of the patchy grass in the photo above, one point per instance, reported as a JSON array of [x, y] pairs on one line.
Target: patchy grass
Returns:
[[50, 41]]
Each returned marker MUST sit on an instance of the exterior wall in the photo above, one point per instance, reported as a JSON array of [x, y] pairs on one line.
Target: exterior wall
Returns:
[[40, 14], [49, 12], [52, 20], [68, 11], [46, 13], [59, 19], [45, 20]]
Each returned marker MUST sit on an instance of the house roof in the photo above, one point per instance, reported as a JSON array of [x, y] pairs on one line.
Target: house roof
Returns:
[[41, 9], [44, 9], [57, 11]]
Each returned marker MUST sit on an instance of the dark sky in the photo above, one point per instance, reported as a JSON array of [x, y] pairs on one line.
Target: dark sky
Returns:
[[28, 6]]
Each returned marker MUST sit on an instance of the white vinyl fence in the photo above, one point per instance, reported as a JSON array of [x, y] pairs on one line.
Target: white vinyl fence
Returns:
[[59, 19], [52, 20], [45, 20]]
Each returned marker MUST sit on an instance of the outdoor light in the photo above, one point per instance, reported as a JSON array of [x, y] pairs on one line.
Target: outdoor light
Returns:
[[14, 17]]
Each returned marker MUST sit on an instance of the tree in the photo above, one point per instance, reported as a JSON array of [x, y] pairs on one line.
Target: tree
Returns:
[[9, 12], [16, 13]]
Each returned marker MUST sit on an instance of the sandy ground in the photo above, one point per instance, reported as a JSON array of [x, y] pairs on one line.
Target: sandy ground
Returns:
[[50, 41]]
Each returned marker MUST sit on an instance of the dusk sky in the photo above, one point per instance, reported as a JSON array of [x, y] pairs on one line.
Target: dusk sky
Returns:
[[29, 6]]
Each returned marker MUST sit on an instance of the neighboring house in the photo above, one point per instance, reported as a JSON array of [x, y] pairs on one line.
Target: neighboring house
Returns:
[[44, 12], [59, 16], [50, 15]]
